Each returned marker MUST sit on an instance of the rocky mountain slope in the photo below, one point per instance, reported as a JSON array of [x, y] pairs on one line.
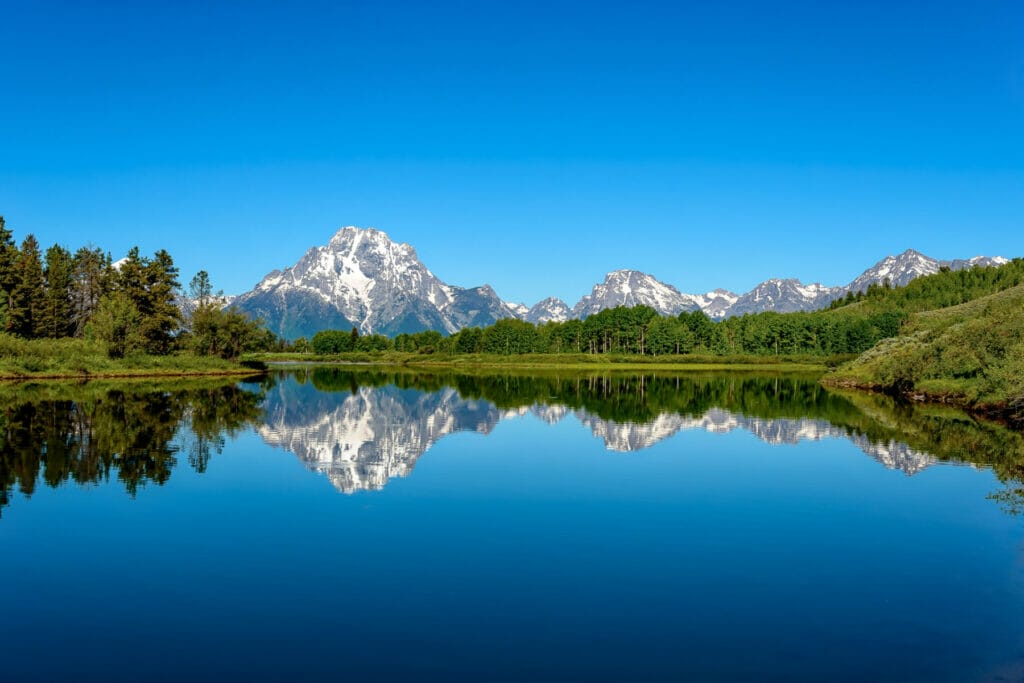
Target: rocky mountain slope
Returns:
[[362, 278]]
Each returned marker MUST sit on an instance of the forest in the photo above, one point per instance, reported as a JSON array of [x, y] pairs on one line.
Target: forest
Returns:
[[133, 306]]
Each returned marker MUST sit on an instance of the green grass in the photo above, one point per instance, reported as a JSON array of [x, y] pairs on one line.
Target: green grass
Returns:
[[568, 361], [971, 354], [79, 358]]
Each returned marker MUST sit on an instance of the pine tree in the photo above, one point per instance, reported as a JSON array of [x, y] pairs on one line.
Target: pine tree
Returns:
[[8, 256], [161, 316], [91, 278], [57, 315], [200, 289], [130, 279], [27, 302]]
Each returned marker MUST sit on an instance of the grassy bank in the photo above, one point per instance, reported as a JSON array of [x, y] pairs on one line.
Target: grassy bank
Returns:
[[22, 359], [971, 355], [567, 361]]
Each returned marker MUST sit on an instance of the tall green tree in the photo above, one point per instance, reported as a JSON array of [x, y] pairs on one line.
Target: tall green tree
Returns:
[[8, 257], [91, 278], [161, 316], [27, 304], [58, 271], [116, 322], [200, 289]]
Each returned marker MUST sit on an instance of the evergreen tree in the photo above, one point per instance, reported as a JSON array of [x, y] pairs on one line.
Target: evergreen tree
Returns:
[[200, 289], [91, 278], [161, 316], [130, 279], [27, 303], [8, 257], [57, 272]]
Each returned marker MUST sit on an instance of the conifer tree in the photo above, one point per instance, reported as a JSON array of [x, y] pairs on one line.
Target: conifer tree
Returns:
[[91, 278], [57, 272], [200, 289], [8, 255], [27, 302], [161, 316]]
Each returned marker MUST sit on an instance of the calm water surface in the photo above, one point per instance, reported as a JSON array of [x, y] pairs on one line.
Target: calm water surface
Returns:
[[334, 525]]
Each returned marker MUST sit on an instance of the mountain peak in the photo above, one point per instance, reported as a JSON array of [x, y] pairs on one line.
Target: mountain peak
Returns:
[[633, 288], [362, 278]]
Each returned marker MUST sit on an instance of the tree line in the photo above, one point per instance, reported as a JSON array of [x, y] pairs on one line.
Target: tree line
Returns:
[[640, 330], [133, 305]]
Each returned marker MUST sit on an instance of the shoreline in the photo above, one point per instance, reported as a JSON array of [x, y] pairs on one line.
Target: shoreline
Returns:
[[144, 374], [999, 412]]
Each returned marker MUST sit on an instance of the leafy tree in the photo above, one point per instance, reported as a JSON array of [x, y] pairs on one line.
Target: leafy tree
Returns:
[[116, 323], [326, 342]]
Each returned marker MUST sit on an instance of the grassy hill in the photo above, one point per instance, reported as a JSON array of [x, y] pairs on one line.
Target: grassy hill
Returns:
[[971, 354]]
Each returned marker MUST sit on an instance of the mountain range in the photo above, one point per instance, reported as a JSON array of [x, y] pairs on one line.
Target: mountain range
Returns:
[[361, 278]]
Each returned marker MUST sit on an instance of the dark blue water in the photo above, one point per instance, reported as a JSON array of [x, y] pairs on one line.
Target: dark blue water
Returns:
[[451, 529]]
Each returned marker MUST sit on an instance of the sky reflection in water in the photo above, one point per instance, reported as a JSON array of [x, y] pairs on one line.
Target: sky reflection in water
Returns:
[[605, 528]]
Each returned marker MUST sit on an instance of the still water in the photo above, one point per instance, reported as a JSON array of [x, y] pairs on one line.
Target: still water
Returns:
[[335, 525]]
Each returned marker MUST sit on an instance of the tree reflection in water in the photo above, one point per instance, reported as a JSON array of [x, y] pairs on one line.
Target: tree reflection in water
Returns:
[[131, 431], [136, 432]]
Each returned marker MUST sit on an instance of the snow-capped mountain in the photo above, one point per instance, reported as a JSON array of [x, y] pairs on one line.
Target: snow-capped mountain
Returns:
[[783, 296], [976, 261], [361, 278], [550, 309], [518, 310], [716, 303], [901, 269], [898, 270], [633, 288], [792, 295]]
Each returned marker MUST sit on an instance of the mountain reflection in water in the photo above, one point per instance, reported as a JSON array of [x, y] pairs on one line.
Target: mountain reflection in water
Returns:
[[362, 429]]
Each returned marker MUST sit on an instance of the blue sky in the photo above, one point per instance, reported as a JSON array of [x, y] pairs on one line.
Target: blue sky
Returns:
[[530, 145]]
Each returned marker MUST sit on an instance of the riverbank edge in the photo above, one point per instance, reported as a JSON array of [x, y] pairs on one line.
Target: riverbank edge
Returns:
[[8, 378], [998, 411]]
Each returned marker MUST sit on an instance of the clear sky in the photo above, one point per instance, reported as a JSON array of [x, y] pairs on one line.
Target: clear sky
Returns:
[[533, 146]]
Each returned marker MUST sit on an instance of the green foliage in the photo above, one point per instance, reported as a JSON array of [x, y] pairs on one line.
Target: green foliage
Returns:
[[226, 333], [973, 352], [91, 277], [130, 432], [116, 323], [327, 342], [941, 290], [200, 289], [27, 301], [511, 336], [132, 308], [57, 314]]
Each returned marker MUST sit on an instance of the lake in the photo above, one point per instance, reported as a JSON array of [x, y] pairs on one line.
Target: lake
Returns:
[[338, 524]]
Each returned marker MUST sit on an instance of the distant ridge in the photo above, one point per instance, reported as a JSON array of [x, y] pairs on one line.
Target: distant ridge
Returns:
[[364, 279]]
